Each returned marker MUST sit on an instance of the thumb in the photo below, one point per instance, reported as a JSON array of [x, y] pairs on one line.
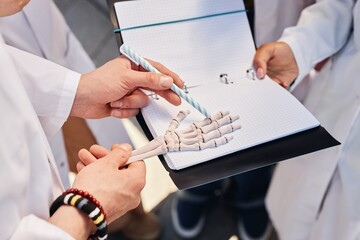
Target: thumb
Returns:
[[150, 80], [262, 56], [119, 154]]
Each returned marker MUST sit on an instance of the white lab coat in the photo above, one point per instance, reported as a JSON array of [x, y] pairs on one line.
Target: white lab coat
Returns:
[[272, 17], [317, 196], [42, 30], [29, 177]]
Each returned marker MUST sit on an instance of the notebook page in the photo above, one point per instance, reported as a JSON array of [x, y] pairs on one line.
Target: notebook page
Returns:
[[224, 41], [267, 112], [199, 51]]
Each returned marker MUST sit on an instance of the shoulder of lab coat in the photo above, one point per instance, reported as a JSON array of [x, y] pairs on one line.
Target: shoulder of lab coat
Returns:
[[50, 87], [322, 30], [41, 29], [55, 38]]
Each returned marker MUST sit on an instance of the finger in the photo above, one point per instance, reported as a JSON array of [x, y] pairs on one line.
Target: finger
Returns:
[[262, 56], [138, 165], [170, 96], [121, 146], [137, 99], [124, 113], [168, 72], [86, 157], [79, 166], [119, 154], [150, 80], [98, 151]]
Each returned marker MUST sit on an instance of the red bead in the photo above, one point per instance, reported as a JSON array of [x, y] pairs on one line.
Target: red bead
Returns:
[[88, 196]]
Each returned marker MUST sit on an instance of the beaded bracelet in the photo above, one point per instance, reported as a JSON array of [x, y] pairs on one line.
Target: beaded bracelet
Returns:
[[88, 205], [88, 196]]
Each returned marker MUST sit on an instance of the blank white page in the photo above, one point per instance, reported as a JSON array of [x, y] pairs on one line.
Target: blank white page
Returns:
[[199, 51]]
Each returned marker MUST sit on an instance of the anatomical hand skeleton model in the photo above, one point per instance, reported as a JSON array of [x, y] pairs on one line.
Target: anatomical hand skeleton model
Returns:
[[198, 136]]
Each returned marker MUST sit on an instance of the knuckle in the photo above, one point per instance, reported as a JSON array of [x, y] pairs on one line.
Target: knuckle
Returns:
[[136, 200], [139, 185], [151, 77], [256, 62]]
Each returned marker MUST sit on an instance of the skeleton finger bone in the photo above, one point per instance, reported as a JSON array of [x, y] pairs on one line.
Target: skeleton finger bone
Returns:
[[208, 133], [175, 122], [162, 149], [156, 142], [200, 145], [216, 124], [220, 132], [215, 133], [206, 121]]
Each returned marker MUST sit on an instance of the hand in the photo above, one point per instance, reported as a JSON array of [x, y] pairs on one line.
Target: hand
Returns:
[[113, 89], [116, 188], [277, 61], [89, 156]]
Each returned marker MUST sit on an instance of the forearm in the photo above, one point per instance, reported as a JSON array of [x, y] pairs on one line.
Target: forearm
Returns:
[[72, 221]]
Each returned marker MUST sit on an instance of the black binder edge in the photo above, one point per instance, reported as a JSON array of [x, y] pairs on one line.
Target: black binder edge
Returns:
[[242, 161]]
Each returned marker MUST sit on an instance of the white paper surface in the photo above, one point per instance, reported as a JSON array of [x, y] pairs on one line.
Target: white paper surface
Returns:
[[199, 51]]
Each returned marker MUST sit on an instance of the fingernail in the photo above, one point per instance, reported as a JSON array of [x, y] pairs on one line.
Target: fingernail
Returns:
[[260, 73], [125, 147], [117, 104], [166, 81], [116, 113]]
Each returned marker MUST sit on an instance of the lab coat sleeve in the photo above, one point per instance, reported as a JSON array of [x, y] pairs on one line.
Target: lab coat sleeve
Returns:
[[43, 230], [50, 87], [322, 30]]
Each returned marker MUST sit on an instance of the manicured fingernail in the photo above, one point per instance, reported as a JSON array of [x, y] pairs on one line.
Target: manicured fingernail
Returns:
[[166, 81], [260, 73]]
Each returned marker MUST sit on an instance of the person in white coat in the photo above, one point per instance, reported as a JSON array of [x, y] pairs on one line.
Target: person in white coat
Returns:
[[34, 108], [41, 29], [316, 196]]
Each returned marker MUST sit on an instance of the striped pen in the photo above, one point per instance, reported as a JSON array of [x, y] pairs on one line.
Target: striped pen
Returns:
[[138, 60]]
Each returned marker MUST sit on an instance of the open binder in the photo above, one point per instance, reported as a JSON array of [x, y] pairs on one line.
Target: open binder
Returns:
[[209, 44]]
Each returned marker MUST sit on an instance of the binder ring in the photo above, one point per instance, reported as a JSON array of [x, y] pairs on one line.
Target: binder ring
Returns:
[[250, 73], [186, 90], [224, 78], [153, 96]]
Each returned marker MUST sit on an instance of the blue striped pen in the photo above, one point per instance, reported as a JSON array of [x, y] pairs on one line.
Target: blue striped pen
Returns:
[[138, 60]]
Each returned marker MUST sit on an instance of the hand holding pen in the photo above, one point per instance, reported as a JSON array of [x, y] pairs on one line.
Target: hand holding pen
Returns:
[[138, 60], [115, 89]]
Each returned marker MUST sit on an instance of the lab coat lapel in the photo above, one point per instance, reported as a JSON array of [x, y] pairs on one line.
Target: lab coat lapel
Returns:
[[46, 33]]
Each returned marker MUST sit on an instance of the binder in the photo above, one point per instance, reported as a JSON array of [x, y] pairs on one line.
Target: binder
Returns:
[[261, 153]]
